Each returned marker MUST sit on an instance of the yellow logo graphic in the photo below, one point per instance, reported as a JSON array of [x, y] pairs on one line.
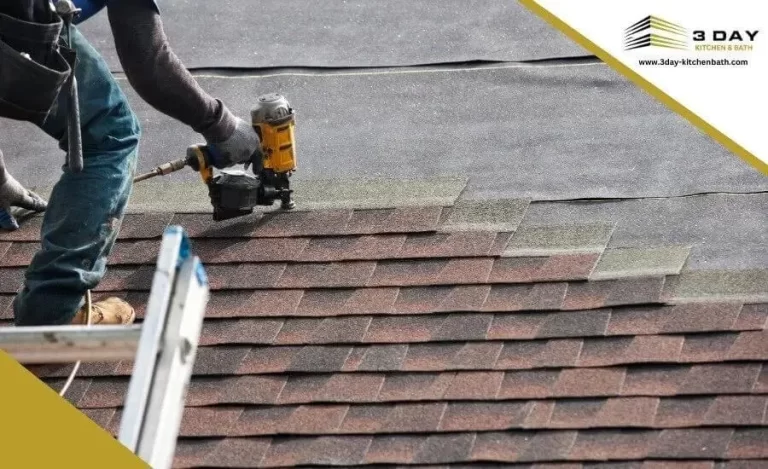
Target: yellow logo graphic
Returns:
[[653, 31]]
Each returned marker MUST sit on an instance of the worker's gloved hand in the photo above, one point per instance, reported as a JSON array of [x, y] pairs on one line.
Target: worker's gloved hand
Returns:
[[239, 148], [13, 194]]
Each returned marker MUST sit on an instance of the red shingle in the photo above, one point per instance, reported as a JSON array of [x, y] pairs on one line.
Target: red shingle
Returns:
[[194, 452], [707, 347], [301, 388], [237, 452], [501, 447], [271, 303], [548, 446], [326, 275], [541, 296], [476, 355], [202, 225], [233, 250], [229, 304], [469, 416], [748, 443], [6, 310], [692, 443], [410, 418], [265, 359], [240, 331], [445, 448], [752, 317], [457, 244], [396, 329], [384, 357], [737, 410], [702, 317], [102, 393], [419, 300], [396, 220], [602, 445], [346, 450], [350, 387], [465, 271], [18, 254], [393, 449], [370, 301], [539, 354], [599, 294], [208, 421], [415, 386], [464, 298], [308, 223], [638, 349], [589, 382], [248, 389], [347, 329], [430, 357], [242, 276], [11, 279], [409, 272], [543, 269], [314, 419], [688, 412], [341, 248], [749, 345], [530, 384], [474, 386], [365, 419]]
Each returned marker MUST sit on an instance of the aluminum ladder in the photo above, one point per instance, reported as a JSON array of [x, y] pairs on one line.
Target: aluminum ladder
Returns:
[[163, 349]]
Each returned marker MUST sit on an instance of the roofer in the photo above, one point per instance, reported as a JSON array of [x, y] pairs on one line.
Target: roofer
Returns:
[[84, 213]]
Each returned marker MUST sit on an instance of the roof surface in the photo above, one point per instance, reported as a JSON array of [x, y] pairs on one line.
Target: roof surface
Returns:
[[436, 335]]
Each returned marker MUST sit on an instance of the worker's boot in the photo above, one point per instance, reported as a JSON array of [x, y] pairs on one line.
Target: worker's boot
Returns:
[[112, 311]]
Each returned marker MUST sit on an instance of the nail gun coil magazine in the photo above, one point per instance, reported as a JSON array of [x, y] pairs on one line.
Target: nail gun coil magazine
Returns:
[[235, 194]]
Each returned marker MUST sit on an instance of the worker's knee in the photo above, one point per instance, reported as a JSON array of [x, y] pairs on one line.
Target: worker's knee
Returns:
[[115, 128]]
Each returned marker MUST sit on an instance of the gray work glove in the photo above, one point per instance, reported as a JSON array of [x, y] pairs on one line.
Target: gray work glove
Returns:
[[13, 194], [243, 145]]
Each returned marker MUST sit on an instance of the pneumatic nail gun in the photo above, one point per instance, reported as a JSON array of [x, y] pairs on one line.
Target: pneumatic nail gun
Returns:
[[234, 195]]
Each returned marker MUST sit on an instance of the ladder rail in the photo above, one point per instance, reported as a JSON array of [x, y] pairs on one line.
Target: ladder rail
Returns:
[[167, 398], [152, 328], [32, 345]]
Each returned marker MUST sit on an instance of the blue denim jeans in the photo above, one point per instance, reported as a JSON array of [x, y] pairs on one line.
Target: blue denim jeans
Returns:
[[85, 210]]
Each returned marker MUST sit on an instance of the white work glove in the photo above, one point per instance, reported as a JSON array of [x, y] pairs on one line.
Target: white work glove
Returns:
[[13, 194], [239, 148]]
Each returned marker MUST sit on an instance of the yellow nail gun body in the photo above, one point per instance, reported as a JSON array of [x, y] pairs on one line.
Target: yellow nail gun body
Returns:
[[236, 194]]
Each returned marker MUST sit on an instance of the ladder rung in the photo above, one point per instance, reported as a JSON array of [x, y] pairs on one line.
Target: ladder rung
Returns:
[[68, 344]]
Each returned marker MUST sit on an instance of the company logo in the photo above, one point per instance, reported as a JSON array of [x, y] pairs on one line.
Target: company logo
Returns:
[[653, 31]]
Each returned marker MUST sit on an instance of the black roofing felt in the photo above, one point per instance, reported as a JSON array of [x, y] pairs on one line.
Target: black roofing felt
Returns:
[[539, 132], [341, 33]]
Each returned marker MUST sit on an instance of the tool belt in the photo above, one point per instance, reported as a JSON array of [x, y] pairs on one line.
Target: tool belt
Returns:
[[35, 65]]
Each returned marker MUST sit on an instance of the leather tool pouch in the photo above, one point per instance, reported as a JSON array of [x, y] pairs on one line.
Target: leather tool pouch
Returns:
[[34, 66]]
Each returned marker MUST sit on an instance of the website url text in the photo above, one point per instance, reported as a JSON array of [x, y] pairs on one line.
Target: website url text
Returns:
[[694, 62]]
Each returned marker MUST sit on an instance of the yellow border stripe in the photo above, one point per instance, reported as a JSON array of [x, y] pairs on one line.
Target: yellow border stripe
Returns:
[[647, 86], [40, 429]]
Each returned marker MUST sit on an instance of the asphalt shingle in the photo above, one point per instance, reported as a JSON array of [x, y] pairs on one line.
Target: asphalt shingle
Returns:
[[443, 336]]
